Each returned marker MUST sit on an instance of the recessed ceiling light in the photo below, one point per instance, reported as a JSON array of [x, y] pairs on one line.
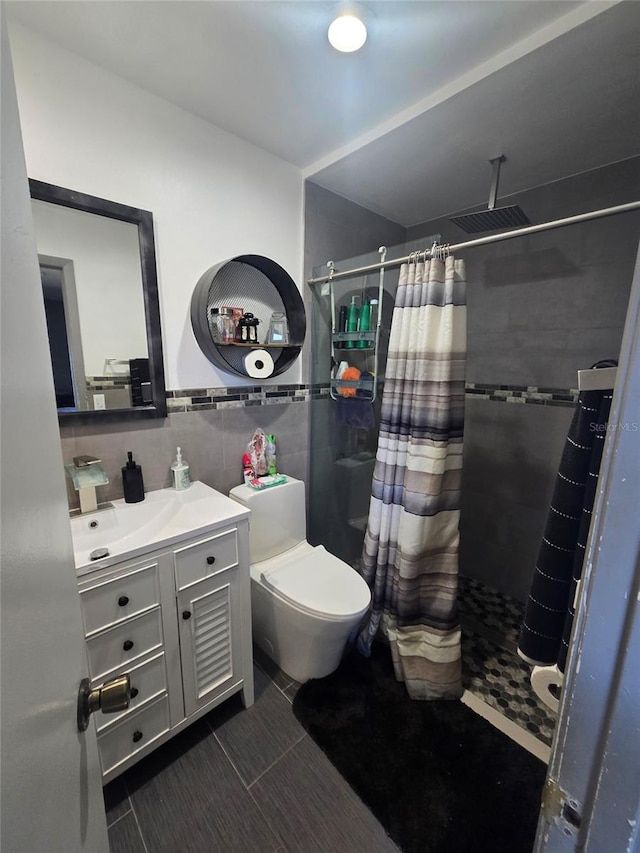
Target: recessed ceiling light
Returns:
[[347, 33]]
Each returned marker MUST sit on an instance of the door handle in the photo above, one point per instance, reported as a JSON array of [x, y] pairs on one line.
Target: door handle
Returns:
[[113, 696]]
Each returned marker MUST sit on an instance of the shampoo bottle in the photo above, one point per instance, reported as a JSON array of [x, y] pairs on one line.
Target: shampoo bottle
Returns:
[[132, 482], [180, 473], [364, 325], [352, 322]]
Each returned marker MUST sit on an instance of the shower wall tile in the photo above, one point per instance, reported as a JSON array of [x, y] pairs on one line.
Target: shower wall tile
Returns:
[[566, 284], [614, 238], [336, 229], [511, 456], [585, 297], [325, 429], [507, 356]]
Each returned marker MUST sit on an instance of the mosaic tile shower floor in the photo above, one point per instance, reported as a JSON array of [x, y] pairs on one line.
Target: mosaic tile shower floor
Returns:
[[491, 668]]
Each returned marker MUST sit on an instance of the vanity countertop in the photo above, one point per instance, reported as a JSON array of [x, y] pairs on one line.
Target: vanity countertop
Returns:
[[163, 518]]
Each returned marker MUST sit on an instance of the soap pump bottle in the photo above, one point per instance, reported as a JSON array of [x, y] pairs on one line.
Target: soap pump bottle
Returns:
[[132, 482], [352, 322], [180, 473]]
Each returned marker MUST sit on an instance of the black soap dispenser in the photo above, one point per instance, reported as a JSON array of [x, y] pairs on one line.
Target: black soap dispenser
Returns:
[[132, 483]]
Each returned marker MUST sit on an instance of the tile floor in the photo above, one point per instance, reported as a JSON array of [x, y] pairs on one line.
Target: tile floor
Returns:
[[253, 781], [247, 781], [491, 668]]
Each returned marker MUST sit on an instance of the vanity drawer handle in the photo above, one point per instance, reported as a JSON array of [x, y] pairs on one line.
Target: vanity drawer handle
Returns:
[[211, 560], [137, 736], [134, 692], [127, 645], [123, 600], [186, 614]]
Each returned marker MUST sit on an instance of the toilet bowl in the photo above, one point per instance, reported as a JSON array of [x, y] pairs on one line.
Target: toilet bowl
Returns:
[[305, 602]]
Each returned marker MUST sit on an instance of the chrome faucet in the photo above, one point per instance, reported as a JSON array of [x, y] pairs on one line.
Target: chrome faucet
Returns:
[[86, 474]]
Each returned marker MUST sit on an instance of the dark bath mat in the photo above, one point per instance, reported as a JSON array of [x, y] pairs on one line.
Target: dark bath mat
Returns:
[[438, 777]]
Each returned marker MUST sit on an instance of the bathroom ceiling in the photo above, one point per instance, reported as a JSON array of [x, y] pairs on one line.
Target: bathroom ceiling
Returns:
[[405, 125]]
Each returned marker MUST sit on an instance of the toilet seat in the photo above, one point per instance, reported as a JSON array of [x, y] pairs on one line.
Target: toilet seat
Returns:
[[315, 581]]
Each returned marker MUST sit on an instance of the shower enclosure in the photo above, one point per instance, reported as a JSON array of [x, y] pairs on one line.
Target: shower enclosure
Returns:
[[342, 456], [342, 459]]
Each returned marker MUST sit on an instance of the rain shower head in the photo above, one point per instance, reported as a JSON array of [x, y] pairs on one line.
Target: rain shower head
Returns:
[[494, 217]]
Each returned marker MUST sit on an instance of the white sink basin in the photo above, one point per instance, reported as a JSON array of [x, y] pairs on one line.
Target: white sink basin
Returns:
[[162, 518]]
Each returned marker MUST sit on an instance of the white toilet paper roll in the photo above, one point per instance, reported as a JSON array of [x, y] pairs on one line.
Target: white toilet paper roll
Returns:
[[258, 364], [543, 679]]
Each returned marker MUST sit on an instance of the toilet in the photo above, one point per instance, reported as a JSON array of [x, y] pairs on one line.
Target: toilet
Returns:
[[304, 601]]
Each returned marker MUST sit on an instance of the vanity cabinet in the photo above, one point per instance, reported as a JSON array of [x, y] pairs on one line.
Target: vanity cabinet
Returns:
[[178, 620], [208, 581]]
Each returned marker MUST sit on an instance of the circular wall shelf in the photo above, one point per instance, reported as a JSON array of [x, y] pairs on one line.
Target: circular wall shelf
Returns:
[[254, 284]]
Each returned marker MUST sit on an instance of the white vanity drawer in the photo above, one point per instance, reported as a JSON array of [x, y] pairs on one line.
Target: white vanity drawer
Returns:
[[114, 599], [115, 648], [196, 562], [134, 733], [148, 680]]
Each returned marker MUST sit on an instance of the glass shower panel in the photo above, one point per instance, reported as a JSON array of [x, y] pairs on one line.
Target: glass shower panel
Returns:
[[342, 455]]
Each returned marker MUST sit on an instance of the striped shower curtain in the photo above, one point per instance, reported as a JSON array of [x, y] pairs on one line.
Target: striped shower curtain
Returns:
[[410, 553]]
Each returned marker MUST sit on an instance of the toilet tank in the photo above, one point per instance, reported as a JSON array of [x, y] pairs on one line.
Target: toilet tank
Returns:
[[278, 517]]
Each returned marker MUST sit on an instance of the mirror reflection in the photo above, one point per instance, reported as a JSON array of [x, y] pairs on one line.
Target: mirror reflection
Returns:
[[100, 286], [92, 283]]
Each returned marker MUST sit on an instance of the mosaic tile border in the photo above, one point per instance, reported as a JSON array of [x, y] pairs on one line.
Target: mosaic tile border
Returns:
[[107, 383], [199, 399], [196, 399], [528, 394]]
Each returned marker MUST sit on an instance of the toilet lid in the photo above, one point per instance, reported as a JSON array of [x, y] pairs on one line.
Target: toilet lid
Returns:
[[320, 583]]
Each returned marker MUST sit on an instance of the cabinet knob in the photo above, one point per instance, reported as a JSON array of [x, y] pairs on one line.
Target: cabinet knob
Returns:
[[123, 600], [211, 560], [134, 692], [137, 736], [127, 645], [186, 614]]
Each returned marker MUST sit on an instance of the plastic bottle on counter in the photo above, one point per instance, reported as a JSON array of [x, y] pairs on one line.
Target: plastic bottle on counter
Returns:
[[132, 482], [180, 473]]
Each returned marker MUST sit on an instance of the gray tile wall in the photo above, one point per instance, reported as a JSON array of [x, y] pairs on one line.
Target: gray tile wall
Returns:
[[212, 442], [539, 308], [337, 229], [542, 307]]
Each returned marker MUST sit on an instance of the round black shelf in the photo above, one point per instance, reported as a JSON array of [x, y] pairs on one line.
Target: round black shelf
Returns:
[[256, 284]]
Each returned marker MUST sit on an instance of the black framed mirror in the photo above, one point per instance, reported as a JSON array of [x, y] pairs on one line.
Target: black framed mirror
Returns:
[[100, 286]]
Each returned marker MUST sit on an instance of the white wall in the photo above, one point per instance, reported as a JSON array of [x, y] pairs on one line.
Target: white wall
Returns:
[[213, 196], [108, 277]]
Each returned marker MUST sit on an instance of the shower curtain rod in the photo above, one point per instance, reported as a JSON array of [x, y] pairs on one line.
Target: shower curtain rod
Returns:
[[481, 241]]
